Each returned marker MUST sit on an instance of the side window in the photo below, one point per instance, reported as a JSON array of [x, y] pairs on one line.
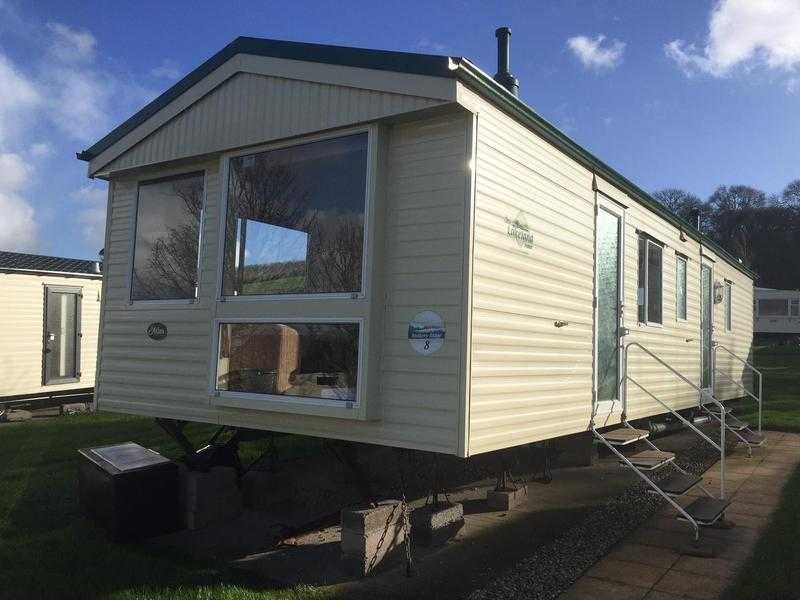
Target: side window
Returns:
[[728, 306], [168, 215], [680, 288], [795, 307], [649, 296]]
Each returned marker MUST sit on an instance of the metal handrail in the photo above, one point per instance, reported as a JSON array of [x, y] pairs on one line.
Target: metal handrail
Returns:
[[754, 370], [691, 384], [737, 384], [650, 482]]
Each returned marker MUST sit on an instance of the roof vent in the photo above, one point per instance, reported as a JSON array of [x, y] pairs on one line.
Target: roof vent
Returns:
[[503, 76]]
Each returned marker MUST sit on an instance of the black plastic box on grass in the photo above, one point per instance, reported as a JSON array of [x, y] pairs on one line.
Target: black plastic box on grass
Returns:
[[131, 490]]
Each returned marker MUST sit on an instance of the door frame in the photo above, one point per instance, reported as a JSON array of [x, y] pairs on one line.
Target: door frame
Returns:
[[78, 292], [705, 263], [607, 407]]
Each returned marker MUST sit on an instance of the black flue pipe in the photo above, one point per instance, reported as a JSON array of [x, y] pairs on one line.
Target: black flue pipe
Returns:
[[503, 75]]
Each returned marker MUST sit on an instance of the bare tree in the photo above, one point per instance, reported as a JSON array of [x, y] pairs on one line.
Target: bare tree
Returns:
[[684, 205]]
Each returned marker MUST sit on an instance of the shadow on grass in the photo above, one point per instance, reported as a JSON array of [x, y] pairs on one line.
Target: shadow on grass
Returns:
[[49, 550]]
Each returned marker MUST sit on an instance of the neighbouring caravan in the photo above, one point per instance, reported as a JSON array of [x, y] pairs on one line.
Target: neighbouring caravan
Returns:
[[776, 312], [394, 249], [51, 311]]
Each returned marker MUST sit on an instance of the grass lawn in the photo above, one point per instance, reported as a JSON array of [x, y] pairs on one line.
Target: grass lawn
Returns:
[[781, 368], [48, 550], [773, 570]]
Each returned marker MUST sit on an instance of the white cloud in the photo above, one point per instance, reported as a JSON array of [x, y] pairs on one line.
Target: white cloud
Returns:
[[18, 230], [70, 45], [78, 102], [41, 150], [14, 172], [742, 33], [596, 53], [168, 69], [92, 213], [18, 96]]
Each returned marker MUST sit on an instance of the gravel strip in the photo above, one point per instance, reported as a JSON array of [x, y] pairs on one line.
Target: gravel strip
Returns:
[[553, 568]]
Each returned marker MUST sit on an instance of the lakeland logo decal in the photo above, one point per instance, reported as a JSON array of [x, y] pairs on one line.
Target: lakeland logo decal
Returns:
[[519, 231]]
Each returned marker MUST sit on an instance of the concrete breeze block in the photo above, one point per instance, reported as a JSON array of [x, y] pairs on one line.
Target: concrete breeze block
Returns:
[[372, 536], [507, 499]]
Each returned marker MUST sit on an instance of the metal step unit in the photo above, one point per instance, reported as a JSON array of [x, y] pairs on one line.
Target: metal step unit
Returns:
[[648, 464], [753, 438]]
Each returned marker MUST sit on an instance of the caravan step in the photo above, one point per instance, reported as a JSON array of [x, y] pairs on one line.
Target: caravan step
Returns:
[[706, 511], [753, 438], [711, 407], [624, 436], [677, 484], [738, 426], [649, 460]]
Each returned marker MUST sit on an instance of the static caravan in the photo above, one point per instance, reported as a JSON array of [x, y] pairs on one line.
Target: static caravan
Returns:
[[776, 311], [393, 248], [51, 311]]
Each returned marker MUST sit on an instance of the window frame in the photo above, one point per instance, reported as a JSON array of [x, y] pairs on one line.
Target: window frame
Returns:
[[78, 292], [759, 312], [283, 402], [200, 239], [728, 300], [794, 303], [647, 241], [681, 258], [369, 199]]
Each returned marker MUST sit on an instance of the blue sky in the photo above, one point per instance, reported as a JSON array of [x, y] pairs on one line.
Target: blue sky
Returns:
[[691, 94]]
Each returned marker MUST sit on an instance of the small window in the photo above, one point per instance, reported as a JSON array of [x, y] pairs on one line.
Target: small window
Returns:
[[650, 282], [680, 288], [773, 307], [728, 306], [295, 222], [165, 254], [302, 360], [794, 309]]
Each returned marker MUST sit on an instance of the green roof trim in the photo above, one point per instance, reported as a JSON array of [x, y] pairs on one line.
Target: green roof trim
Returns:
[[417, 64]]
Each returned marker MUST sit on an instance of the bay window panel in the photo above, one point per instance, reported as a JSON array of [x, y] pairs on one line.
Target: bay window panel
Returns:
[[654, 293], [168, 215], [307, 360], [295, 219]]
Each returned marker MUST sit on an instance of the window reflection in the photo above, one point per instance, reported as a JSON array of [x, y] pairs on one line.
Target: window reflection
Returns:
[[295, 220], [167, 233], [312, 360]]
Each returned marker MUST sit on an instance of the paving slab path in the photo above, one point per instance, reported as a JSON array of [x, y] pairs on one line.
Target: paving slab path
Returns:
[[648, 564]]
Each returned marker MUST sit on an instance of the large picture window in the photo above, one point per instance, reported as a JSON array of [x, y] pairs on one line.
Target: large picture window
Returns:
[[649, 296], [295, 219], [168, 218], [308, 360]]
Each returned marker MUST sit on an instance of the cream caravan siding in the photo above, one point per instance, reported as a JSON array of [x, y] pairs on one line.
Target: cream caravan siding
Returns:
[[22, 306], [250, 109], [529, 379], [169, 377], [418, 404]]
